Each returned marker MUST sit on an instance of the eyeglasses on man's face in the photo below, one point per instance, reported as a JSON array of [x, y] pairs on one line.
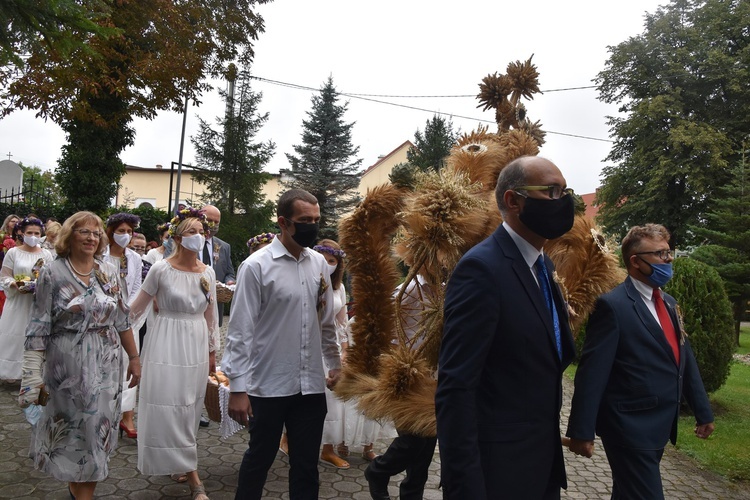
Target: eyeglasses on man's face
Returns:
[[662, 254], [554, 191], [88, 232]]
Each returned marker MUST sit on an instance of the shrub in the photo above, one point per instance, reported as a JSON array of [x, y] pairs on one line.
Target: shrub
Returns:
[[707, 316]]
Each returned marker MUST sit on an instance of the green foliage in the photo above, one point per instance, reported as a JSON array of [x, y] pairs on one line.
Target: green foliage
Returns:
[[682, 86], [90, 167], [726, 451], [726, 234], [53, 25], [150, 219], [707, 317], [42, 182], [233, 163], [402, 175], [431, 148], [322, 164], [238, 228]]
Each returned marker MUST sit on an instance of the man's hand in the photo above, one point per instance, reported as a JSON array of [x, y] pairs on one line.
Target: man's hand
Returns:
[[581, 447], [333, 378], [705, 430], [239, 407]]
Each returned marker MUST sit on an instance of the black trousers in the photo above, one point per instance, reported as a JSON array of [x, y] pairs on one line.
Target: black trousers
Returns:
[[635, 473], [303, 417], [410, 453]]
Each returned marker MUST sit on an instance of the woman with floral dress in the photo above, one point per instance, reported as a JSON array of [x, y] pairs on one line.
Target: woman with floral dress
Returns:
[[78, 323], [24, 260], [120, 229], [179, 351]]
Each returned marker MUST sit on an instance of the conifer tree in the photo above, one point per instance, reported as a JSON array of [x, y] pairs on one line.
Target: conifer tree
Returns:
[[431, 148], [325, 163]]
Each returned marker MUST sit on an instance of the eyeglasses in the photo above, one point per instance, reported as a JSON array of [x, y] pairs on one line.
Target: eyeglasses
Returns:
[[554, 191], [88, 232], [662, 254]]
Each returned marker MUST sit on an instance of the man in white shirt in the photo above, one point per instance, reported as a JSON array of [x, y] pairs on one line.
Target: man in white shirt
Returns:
[[280, 329]]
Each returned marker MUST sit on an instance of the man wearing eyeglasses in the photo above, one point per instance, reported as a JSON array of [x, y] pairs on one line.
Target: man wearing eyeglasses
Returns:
[[506, 342], [635, 367]]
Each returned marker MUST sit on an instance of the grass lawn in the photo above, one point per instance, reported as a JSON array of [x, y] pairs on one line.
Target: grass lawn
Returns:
[[726, 451]]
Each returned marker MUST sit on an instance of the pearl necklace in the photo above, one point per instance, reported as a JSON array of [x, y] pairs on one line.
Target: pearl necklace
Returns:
[[77, 271]]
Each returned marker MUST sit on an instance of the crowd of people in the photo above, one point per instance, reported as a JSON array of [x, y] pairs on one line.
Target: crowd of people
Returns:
[[95, 323]]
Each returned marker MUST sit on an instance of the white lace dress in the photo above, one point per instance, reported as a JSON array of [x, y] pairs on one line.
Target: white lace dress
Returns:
[[333, 428], [174, 366]]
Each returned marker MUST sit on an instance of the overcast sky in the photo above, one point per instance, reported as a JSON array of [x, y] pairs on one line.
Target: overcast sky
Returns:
[[402, 48]]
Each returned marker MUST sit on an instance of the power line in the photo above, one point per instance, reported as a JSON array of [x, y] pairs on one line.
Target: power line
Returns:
[[364, 97]]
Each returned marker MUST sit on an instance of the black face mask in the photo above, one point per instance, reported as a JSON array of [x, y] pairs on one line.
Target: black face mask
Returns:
[[305, 233], [549, 219]]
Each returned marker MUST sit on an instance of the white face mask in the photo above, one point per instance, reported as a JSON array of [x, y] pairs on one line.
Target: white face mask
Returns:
[[193, 243], [122, 239], [32, 241], [332, 268]]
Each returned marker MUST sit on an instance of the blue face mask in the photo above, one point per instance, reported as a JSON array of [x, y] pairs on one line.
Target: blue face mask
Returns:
[[660, 274]]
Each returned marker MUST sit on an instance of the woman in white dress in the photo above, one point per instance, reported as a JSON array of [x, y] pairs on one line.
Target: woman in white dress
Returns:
[[333, 428], [26, 259], [179, 351], [120, 229]]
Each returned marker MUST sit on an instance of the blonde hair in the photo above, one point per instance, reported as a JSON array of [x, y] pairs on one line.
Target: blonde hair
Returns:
[[178, 230], [7, 221], [75, 221], [53, 229]]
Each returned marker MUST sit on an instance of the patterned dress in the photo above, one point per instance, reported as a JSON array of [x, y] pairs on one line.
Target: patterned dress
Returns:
[[77, 326]]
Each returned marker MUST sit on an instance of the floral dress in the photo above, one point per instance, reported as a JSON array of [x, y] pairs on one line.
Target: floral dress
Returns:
[[77, 326]]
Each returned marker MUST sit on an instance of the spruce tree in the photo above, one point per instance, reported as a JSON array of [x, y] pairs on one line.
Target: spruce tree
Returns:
[[727, 241], [233, 165], [431, 148], [324, 163]]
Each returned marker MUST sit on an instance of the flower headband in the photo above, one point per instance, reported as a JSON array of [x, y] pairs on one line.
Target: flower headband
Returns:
[[187, 213], [116, 219], [23, 223], [163, 227], [329, 250], [260, 239]]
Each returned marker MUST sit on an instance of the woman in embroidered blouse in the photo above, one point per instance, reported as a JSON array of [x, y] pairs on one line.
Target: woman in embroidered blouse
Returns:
[[25, 259], [179, 351], [78, 323], [120, 227]]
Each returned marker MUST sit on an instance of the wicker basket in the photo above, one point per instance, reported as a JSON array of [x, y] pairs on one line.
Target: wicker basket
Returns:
[[223, 294], [212, 398]]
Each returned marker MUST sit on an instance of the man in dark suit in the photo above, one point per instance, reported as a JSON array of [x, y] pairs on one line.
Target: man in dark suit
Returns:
[[217, 253], [506, 342], [635, 366]]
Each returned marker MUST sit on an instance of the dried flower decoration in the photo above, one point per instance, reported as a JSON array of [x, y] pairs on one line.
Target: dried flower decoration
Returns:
[[28, 221], [330, 250], [321, 293], [260, 239], [163, 227], [130, 219], [187, 213], [109, 288], [206, 289]]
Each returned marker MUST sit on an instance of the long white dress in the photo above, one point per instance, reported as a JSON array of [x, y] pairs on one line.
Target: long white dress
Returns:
[[333, 427], [174, 366], [17, 309], [130, 279]]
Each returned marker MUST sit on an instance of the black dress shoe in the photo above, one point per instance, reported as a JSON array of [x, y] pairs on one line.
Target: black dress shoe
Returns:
[[378, 485], [204, 421]]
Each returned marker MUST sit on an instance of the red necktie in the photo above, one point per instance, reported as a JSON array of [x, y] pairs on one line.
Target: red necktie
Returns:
[[666, 324]]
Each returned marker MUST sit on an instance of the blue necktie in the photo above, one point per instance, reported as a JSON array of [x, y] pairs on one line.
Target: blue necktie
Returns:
[[541, 273]]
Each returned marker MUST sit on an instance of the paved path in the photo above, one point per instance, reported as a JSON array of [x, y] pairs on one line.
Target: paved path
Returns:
[[219, 463]]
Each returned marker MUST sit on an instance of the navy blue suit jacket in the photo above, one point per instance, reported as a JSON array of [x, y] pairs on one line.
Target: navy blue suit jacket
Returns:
[[628, 385], [499, 388]]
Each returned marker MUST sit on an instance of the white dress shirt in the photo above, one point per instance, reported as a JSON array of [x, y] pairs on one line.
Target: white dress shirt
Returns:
[[276, 338], [529, 253], [647, 294]]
